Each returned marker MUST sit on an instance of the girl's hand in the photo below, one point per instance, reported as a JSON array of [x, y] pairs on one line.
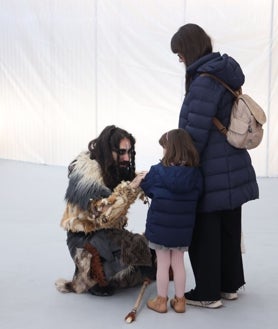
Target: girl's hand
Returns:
[[137, 180]]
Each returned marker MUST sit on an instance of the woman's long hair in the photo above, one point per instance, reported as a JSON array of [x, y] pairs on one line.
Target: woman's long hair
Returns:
[[101, 150], [192, 42]]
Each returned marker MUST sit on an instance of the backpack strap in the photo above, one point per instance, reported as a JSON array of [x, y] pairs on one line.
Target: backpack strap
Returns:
[[218, 124], [236, 93]]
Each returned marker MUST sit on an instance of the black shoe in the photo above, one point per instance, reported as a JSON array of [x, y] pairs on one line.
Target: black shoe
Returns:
[[97, 290], [189, 295]]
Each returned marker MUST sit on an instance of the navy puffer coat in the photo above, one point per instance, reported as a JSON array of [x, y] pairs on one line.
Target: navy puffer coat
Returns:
[[229, 177], [174, 191]]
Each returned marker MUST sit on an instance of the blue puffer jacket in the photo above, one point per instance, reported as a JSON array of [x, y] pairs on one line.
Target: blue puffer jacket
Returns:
[[174, 192], [229, 177]]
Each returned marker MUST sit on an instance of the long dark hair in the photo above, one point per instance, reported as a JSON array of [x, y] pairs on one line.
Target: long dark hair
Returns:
[[101, 150], [180, 149], [192, 42]]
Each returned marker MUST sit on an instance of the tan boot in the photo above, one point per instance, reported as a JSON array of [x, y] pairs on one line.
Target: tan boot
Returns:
[[158, 304], [178, 304]]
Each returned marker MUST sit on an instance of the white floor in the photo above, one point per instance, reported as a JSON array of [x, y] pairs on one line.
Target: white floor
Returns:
[[34, 255]]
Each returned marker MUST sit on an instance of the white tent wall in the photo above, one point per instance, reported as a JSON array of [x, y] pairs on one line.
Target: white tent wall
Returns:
[[69, 68], [48, 80]]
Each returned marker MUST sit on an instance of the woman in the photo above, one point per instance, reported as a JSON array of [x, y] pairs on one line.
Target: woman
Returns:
[[229, 178]]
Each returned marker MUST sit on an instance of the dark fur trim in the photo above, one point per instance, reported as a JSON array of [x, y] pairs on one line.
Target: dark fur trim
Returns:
[[79, 194], [85, 182]]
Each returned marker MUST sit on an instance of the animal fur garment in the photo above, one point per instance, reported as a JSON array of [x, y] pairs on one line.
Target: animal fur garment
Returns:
[[102, 209], [103, 251], [85, 182], [89, 265], [97, 272], [82, 278], [134, 247]]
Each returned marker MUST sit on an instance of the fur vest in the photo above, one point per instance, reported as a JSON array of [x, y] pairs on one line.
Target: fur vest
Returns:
[[91, 206]]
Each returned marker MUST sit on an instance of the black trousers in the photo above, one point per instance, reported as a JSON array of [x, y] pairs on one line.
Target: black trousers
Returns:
[[215, 254]]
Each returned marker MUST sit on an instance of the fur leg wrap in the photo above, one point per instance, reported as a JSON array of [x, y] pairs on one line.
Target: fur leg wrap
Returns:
[[97, 272], [82, 279]]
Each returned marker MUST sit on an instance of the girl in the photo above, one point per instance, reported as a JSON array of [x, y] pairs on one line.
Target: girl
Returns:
[[174, 185]]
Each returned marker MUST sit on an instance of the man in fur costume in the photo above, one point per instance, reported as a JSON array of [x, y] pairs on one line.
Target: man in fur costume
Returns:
[[102, 186]]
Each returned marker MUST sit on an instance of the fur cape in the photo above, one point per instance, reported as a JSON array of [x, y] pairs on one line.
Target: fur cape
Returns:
[[95, 218], [91, 206]]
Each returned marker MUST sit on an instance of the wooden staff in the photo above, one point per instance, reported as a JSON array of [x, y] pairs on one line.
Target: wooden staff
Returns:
[[132, 314]]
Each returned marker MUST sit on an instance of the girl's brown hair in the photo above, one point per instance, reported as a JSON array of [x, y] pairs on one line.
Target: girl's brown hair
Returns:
[[180, 149]]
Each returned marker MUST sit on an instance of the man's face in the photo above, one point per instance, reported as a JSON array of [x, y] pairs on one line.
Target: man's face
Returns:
[[123, 154]]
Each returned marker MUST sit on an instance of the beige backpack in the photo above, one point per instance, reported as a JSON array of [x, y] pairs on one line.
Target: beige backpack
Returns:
[[245, 129]]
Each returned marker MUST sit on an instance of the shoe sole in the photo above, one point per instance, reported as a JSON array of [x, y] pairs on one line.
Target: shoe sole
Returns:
[[211, 305], [231, 296], [158, 311], [178, 311]]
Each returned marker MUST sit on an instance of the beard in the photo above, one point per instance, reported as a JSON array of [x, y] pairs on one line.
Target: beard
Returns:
[[124, 171], [118, 172]]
